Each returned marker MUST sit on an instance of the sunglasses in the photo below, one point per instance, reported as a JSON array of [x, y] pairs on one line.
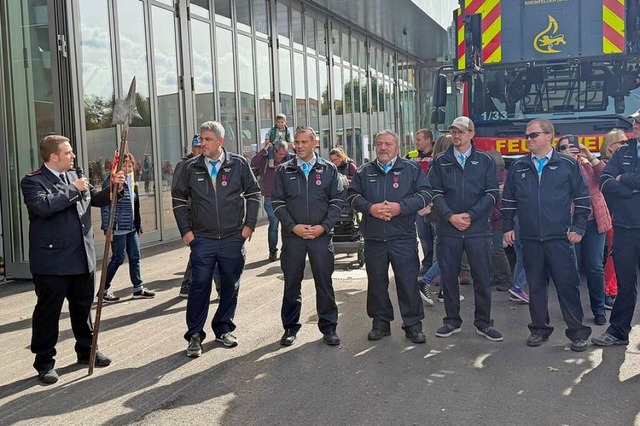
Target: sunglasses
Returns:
[[563, 147], [534, 135]]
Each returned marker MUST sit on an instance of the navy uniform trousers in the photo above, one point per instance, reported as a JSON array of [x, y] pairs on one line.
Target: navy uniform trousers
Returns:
[[206, 253], [51, 291], [479, 254], [556, 258], [402, 253], [292, 261], [626, 258]]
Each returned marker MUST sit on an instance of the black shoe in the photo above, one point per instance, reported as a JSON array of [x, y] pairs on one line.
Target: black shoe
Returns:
[[273, 256], [377, 334], [48, 377], [101, 359], [416, 336], [288, 337], [536, 340], [600, 319], [579, 345], [331, 338]]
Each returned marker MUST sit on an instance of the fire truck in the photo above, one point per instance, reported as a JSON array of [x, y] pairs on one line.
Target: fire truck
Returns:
[[574, 62]]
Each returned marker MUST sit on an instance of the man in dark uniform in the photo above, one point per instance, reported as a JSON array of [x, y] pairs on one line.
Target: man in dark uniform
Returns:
[[307, 198], [465, 188], [61, 252], [215, 202], [548, 193], [620, 183], [389, 191]]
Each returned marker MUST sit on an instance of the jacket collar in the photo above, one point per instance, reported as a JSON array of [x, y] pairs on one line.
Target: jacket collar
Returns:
[[228, 160]]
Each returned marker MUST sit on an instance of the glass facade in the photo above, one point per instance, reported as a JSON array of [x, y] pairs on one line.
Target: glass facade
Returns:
[[239, 62]]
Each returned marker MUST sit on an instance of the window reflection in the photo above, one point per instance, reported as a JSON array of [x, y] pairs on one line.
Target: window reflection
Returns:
[[223, 12], [228, 115], [283, 24], [264, 87], [243, 15], [200, 8], [260, 17], [168, 100], [249, 140], [202, 58], [97, 80], [133, 52], [286, 91], [301, 92]]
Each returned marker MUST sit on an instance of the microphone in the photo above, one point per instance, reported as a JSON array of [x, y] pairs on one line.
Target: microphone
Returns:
[[80, 174]]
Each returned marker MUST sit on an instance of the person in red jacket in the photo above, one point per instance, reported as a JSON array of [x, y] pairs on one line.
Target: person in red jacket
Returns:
[[590, 250]]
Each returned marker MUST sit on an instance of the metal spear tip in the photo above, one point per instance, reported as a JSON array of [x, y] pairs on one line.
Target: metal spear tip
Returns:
[[125, 110]]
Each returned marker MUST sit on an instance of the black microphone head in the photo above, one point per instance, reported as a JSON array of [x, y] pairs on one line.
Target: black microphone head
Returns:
[[79, 172]]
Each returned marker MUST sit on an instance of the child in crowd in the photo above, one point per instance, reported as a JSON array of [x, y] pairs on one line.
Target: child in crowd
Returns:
[[279, 132], [126, 228]]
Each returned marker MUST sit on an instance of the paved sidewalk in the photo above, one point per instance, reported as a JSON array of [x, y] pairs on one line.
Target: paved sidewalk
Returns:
[[464, 379]]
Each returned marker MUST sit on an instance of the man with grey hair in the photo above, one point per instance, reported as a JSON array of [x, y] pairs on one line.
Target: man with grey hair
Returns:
[[209, 200], [389, 191]]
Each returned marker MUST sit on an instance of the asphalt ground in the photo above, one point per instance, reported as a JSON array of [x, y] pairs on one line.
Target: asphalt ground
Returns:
[[461, 380]]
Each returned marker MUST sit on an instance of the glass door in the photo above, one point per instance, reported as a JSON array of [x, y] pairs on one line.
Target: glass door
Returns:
[[31, 47]]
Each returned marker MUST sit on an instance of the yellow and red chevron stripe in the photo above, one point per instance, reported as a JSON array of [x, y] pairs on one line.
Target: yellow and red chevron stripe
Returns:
[[491, 30], [613, 26]]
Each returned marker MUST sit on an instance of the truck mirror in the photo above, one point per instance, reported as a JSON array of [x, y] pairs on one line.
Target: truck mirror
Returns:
[[440, 91], [437, 116]]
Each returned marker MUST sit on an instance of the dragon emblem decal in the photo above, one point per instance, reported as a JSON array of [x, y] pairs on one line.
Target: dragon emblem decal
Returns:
[[547, 40]]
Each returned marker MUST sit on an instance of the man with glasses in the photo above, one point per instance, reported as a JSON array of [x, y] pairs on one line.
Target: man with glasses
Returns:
[[465, 189], [620, 184], [389, 191], [307, 198], [548, 193]]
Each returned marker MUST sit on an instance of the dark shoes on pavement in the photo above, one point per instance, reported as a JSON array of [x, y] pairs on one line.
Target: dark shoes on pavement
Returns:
[[377, 334], [273, 256], [607, 339], [288, 338], [143, 293], [194, 350], [536, 340], [331, 338], [184, 290], [48, 377], [490, 333], [416, 336], [600, 319], [447, 330], [101, 359], [579, 345]]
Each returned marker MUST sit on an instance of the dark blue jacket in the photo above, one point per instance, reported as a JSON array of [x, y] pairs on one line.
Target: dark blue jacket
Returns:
[[544, 205], [316, 200], [215, 212], [127, 218], [623, 197], [60, 230], [404, 184], [472, 190]]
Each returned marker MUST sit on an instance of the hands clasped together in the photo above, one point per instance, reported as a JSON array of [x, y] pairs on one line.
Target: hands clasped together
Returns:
[[385, 210]]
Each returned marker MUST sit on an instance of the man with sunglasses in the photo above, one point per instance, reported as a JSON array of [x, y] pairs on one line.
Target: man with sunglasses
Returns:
[[548, 193], [465, 189], [307, 198], [620, 184]]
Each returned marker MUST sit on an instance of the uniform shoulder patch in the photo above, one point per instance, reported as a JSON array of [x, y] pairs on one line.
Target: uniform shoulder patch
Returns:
[[34, 173]]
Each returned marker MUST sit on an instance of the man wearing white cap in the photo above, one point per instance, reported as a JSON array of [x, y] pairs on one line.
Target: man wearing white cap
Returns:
[[620, 184], [465, 188]]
